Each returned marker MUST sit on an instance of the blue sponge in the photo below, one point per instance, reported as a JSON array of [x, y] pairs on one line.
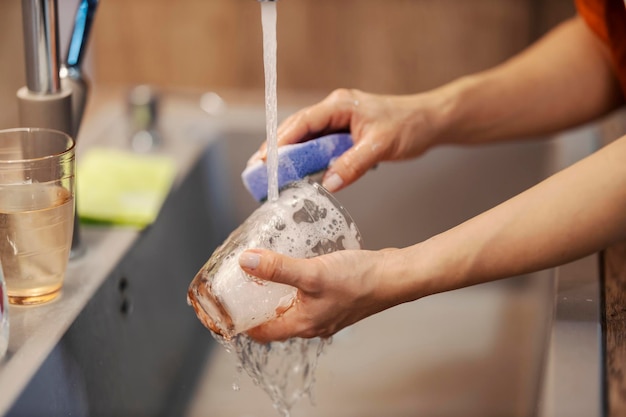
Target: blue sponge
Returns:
[[295, 162]]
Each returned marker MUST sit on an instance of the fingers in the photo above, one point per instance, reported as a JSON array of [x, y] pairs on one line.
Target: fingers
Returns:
[[333, 114], [278, 329], [330, 115], [261, 334], [257, 156]]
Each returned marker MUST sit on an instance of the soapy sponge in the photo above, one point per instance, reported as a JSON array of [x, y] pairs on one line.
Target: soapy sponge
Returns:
[[295, 162]]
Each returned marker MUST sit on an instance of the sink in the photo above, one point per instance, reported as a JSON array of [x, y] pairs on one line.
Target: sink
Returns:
[[487, 350], [503, 348], [470, 352]]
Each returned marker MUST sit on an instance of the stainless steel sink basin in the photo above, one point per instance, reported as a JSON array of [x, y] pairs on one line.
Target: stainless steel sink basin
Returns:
[[524, 346]]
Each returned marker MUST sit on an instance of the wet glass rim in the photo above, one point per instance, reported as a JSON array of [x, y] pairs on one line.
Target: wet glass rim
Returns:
[[34, 130]]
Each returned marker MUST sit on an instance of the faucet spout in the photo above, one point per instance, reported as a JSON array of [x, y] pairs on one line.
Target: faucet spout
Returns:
[[41, 46]]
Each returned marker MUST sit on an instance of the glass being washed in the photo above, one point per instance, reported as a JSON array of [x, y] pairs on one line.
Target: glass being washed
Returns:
[[36, 212], [304, 222]]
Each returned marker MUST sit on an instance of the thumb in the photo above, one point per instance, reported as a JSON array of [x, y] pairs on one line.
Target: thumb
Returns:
[[272, 266]]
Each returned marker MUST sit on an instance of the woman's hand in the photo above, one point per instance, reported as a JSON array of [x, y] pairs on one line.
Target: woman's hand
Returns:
[[334, 290], [545, 89], [383, 128]]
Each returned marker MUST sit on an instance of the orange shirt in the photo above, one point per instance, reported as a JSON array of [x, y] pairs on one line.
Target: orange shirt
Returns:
[[607, 18]]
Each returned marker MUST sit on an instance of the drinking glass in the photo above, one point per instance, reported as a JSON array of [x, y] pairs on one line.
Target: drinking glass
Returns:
[[36, 212], [304, 222]]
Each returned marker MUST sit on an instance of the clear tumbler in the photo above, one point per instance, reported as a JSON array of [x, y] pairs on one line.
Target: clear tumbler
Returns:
[[36, 212], [304, 222]]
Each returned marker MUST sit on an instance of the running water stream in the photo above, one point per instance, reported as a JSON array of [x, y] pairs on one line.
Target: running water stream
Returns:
[[285, 370], [268, 20]]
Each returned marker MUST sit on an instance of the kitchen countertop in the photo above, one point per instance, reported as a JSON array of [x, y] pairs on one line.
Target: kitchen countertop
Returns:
[[35, 330]]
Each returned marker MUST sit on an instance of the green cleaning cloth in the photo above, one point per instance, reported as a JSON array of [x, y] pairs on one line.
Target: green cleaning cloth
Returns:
[[124, 188]]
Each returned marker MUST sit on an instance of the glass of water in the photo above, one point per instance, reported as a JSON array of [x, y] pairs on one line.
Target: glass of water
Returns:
[[304, 222], [36, 212]]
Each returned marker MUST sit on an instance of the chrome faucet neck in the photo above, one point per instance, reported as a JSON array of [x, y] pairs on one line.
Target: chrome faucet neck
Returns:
[[41, 45]]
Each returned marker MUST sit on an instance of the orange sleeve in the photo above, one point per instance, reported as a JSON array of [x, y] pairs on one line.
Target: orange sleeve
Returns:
[[593, 12], [607, 19]]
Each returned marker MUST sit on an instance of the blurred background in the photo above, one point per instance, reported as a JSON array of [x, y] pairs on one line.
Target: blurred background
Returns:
[[390, 46]]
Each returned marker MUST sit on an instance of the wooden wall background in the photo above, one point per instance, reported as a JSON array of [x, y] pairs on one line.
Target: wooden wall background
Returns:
[[378, 45], [392, 46], [11, 60]]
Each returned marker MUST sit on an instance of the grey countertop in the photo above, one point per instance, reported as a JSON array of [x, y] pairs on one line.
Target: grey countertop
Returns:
[[34, 331]]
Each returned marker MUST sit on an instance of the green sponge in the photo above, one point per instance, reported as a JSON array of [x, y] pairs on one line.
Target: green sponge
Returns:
[[122, 188]]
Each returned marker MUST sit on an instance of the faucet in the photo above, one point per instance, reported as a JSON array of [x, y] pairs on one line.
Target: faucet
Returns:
[[55, 95], [43, 102]]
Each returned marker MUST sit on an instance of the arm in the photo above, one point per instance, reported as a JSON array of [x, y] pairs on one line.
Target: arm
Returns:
[[576, 212], [563, 80]]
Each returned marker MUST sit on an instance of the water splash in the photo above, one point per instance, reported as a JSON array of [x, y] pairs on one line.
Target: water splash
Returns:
[[284, 370]]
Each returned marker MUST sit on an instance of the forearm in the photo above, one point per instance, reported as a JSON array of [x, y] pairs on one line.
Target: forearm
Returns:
[[564, 80], [574, 213]]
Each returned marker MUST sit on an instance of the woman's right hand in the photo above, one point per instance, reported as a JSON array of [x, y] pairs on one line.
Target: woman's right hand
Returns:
[[383, 128]]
